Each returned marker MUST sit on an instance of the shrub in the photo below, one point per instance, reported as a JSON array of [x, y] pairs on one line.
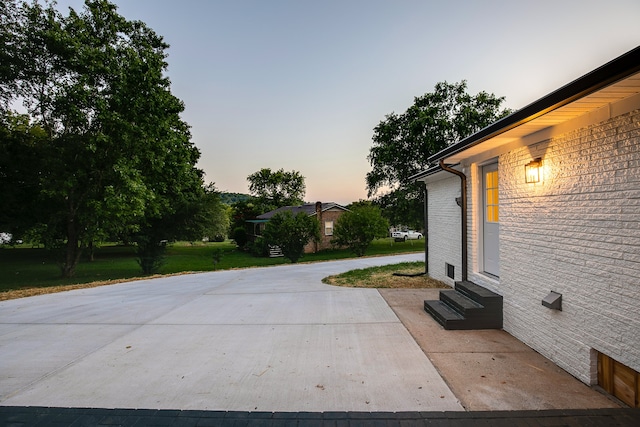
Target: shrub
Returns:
[[291, 233], [258, 247], [240, 236], [151, 255], [357, 228]]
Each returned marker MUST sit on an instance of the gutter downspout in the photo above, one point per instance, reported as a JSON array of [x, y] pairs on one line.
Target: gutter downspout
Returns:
[[319, 218], [463, 209], [426, 244], [426, 232]]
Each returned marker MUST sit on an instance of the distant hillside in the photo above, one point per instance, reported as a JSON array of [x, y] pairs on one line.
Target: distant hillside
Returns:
[[231, 198]]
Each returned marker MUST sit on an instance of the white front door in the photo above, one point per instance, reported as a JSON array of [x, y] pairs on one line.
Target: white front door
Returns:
[[491, 226]]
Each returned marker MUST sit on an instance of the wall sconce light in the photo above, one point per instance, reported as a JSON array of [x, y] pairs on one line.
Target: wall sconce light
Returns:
[[532, 171]]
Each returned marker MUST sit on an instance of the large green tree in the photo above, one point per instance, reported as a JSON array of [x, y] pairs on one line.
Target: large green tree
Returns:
[[403, 142], [211, 218], [272, 190], [116, 157], [241, 212], [19, 185], [9, 58], [357, 228]]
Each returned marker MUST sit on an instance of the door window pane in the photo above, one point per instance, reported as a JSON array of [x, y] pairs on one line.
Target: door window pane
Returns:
[[491, 196]]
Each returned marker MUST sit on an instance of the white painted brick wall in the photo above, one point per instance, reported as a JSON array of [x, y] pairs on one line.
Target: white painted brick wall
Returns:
[[444, 235], [577, 233]]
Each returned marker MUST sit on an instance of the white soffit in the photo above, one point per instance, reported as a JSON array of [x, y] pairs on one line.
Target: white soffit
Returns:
[[608, 95]]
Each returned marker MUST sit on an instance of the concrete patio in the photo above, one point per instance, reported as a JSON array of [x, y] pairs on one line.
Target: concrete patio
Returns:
[[269, 339]]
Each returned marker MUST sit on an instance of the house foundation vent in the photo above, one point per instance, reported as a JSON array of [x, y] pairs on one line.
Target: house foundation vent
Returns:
[[451, 270]]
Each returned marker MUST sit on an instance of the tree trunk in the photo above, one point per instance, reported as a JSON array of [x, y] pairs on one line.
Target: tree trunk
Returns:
[[73, 250]]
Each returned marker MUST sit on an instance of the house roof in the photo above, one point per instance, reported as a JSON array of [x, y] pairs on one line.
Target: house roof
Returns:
[[308, 208], [612, 82]]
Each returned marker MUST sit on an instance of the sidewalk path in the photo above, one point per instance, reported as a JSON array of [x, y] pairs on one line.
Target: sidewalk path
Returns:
[[490, 370], [263, 339]]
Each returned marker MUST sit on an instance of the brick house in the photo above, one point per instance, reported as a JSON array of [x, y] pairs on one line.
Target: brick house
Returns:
[[548, 218], [326, 213]]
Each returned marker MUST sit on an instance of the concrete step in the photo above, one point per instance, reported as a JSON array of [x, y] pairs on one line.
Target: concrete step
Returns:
[[460, 303], [275, 251], [479, 294], [469, 306], [445, 315]]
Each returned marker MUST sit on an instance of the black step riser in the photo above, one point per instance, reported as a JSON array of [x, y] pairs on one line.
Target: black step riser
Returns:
[[481, 315], [438, 318], [442, 314]]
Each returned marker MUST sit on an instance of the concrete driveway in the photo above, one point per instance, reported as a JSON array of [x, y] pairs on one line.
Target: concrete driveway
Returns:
[[263, 339]]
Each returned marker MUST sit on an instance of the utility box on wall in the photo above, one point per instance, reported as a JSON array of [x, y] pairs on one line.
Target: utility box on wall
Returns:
[[553, 301]]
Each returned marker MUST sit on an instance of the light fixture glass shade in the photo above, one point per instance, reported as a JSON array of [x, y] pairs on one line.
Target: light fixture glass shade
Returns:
[[532, 171]]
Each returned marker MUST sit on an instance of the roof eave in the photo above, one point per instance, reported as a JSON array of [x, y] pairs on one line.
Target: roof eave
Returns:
[[615, 70], [425, 173]]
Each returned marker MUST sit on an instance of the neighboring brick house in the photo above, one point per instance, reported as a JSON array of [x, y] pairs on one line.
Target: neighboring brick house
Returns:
[[326, 213], [571, 230]]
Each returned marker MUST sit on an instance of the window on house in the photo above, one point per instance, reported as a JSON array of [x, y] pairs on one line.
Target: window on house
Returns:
[[491, 196], [328, 228]]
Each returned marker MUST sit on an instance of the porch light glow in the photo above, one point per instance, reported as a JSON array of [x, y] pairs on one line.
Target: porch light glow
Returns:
[[532, 171]]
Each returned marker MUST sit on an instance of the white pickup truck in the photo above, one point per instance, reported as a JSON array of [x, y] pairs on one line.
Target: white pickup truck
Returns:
[[406, 235]]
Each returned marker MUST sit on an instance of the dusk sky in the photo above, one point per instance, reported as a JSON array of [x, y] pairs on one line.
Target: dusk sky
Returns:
[[300, 85]]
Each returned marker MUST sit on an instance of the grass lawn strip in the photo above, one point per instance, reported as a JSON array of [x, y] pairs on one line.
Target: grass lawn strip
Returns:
[[383, 277], [32, 272], [30, 292]]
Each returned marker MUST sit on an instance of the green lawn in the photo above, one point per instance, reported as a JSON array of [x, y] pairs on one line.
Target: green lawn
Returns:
[[24, 267], [385, 276]]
